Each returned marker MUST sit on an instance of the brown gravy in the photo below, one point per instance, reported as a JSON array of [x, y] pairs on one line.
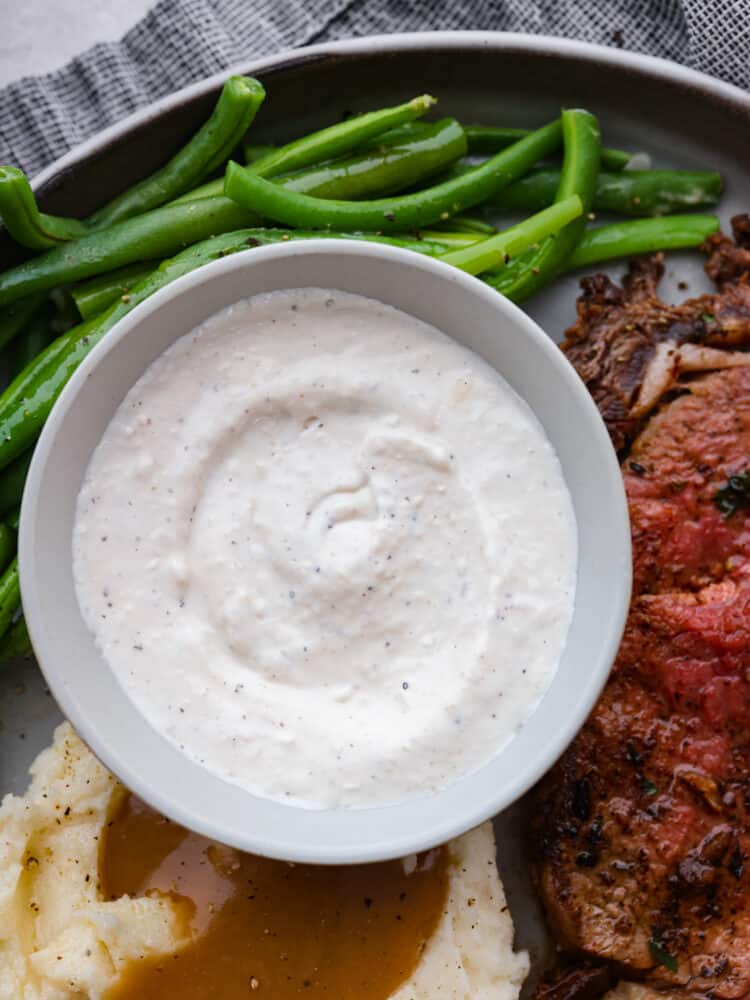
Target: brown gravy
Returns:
[[266, 928]]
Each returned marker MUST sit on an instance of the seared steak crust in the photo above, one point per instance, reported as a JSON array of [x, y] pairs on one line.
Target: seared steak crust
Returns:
[[630, 347], [641, 833]]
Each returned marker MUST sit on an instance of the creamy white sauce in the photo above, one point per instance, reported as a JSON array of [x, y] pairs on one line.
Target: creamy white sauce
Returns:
[[327, 551]]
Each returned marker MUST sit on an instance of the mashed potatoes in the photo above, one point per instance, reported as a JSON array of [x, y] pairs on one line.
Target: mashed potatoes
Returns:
[[470, 955], [60, 940]]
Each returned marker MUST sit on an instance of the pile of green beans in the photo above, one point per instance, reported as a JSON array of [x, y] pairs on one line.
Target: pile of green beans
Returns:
[[386, 176]]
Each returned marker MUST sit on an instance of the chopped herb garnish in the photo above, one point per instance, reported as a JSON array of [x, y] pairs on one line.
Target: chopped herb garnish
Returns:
[[708, 317], [661, 956], [734, 495], [649, 788]]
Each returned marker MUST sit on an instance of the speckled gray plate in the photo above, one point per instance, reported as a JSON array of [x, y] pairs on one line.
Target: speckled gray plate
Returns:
[[680, 117]]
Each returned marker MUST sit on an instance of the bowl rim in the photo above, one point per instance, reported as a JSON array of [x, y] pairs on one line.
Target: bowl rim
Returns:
[[91, 730]]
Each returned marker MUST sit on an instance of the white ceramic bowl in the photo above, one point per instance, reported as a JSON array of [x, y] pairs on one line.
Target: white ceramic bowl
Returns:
[[473, 314]]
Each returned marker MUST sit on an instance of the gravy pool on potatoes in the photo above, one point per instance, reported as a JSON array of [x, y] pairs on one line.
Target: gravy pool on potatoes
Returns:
[[267, 928], [327, 551]]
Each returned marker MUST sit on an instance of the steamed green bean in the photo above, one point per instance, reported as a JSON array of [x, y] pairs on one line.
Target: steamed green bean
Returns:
[[400, 212], [578, 177], [630, 192]]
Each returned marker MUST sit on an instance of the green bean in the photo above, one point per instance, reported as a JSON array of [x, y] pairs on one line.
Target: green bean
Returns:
[[338, 139], [10, 596], [622, 239], [630, 192], [33, 339], [209, 149], [402, 212], [393, 169], [15, 317], [64, 314], [628, 239], [451, 241], [10, 591], [436, 146], [395, 136], [12, 481], [95, 295], [615, 159], [432, 244], [151, 236], [579, 172], [657, 192], [211, 189], [468, 224], [430, 247], [489, 253], [8, 545], [27, 401], [16, 642], [252, 152], [24, 222], [491, 138], [29, 343]]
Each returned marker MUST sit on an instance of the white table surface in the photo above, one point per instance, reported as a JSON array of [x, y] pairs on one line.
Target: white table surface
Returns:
[[41, 35]]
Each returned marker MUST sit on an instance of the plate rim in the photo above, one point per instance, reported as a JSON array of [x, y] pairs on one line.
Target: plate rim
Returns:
[[447, 40]]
